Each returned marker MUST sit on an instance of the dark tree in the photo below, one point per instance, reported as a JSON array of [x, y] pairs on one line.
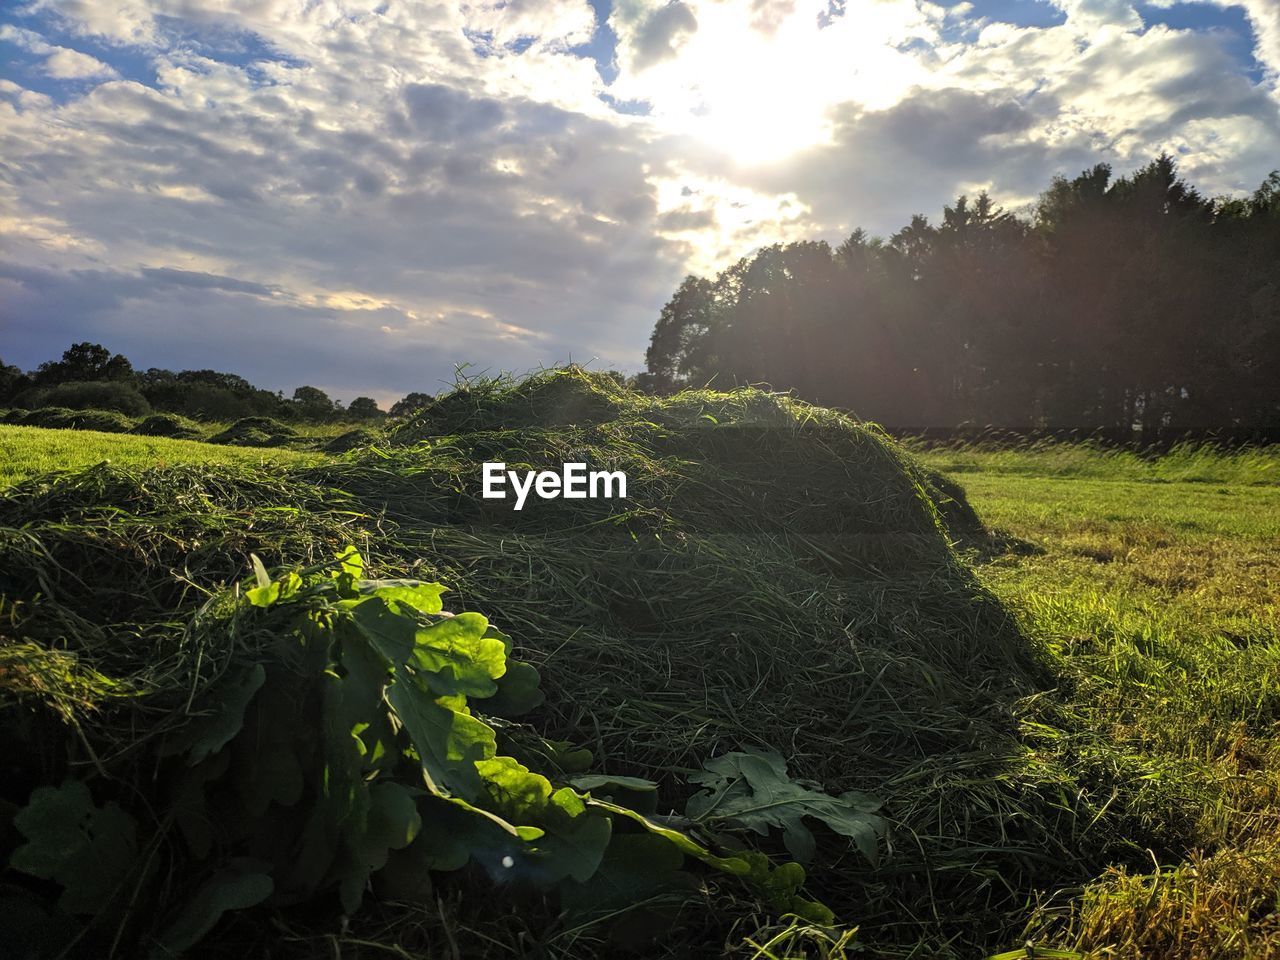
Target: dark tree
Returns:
[[84, 362], [12, 381], [1133, 305], [312, 403], [409, 404], [364, 408]]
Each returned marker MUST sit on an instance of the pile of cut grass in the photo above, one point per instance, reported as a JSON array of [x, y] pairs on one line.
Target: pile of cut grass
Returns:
[[778, 576]]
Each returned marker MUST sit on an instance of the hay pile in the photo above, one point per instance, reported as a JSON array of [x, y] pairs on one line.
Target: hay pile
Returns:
[[778, 577], [256, 432], [168, 425]]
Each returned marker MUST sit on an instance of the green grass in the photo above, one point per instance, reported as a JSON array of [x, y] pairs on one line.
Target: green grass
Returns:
[[1183, 464], [774, 581], [1159, 600], [28, 451]]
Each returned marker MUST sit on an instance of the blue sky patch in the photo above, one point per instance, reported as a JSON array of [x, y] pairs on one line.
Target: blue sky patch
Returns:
[[603, 45], [239, 48], [1020, 13]]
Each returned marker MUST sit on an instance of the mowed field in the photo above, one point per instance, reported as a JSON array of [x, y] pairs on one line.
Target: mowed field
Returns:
[[1154, 588], [27, 451], [1155, 585]]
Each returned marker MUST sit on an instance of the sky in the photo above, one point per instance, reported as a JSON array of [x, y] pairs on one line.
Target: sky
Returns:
[[363, 195]]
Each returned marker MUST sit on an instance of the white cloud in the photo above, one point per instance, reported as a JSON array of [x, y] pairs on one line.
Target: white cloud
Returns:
[[66, 64], [62, 63]]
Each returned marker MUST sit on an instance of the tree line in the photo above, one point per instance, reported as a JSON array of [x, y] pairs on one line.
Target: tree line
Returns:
[[90, 377], [1134, 305]]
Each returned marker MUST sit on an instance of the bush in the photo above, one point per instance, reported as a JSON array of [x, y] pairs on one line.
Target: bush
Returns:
[[13, 416], [121, 397], [168, 425]]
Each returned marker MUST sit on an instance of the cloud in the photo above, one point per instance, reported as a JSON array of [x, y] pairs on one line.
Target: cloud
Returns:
[[65, 64], [548, 22], [768, 15], [360, 193], [61, 63], [659, 36]]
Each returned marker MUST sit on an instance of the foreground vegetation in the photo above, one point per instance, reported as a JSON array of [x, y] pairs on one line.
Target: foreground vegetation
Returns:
[[1062, 733]]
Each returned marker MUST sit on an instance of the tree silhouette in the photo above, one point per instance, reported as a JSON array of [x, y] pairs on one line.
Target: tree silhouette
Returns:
[[1132, 305]]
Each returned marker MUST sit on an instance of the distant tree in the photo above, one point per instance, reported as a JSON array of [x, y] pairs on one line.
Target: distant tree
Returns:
[[1135, 305], [678, 345], [12, 381], [364, 408], [312, 403], [214, 378], [84, 362], [410, 403]]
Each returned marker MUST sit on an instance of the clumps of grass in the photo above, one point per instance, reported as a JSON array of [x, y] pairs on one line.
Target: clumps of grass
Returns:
[[351, 440], [779, 577], [558, 398], [104, 421], [1220, 907], [48, 417], [257, 432], [168, 425]]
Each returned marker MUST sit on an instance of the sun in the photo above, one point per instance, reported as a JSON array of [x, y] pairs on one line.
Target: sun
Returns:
[[762, 93]]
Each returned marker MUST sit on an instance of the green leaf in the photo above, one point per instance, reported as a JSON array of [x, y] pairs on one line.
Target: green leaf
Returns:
[[779, 885], [518, 691], [350, 563], [390, 630], [423, 597], [228, 889], [633, 792], [88, 850], [576, 838], [455, 832], [752, 789], [448, 739], [210, 733], [738, 866], [567, 757], [271, 592], [391, 823], [457, 656], [515, 793]]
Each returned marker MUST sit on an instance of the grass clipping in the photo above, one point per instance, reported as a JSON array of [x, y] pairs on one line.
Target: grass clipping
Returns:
[[779, 578]]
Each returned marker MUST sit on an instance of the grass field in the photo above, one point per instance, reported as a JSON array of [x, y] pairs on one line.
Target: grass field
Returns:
[[1156, 587], [27, 451], [1150, 759]]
